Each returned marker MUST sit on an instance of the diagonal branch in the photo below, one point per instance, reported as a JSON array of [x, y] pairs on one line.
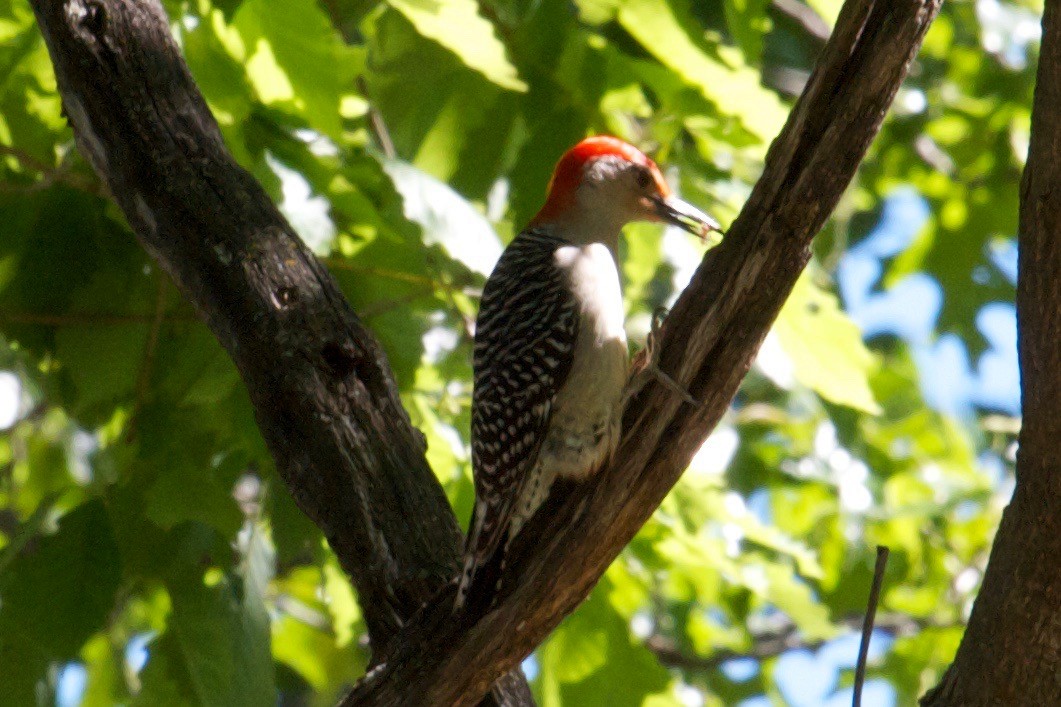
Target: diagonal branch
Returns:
[[323, 393], [710, 339]]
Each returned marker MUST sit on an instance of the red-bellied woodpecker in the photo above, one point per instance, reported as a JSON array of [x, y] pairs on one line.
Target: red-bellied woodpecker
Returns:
[[550, 357]]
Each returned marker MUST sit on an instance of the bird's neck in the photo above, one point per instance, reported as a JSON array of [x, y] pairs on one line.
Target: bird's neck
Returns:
[[581, 226]]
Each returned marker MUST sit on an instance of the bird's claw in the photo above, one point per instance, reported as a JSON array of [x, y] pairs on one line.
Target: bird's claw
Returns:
[[651, 359]]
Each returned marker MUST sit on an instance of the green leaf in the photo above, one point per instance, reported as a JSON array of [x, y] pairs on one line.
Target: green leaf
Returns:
[[165, 680], [642, 256], [747, 22], [60, 589], [315, 655], [795, 598], [41, 264], [296, 538], [218, 74], [446, 218], [220, 628], [458, 26], [592, 660], [190, 491], [576, 649], [825, 347], [106, 685], [342, 604], [103, 361], [294, 58], [669, 35]]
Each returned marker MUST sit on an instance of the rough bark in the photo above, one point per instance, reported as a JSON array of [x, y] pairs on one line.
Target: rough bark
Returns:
[[323, 392], [710, 339], [1011, 651]]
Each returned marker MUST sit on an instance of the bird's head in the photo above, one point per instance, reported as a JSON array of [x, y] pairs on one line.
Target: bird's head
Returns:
[[603, 183]]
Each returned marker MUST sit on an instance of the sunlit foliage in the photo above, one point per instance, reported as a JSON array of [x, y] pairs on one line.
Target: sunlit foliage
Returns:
[[149, 554]]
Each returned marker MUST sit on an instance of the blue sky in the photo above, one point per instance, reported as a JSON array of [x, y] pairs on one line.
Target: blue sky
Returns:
[[950, 381]]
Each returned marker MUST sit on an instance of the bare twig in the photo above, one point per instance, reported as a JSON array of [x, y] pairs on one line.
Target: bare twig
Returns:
[[450, 290], [25, 159], [143, 376], [345, 264], [774, 643], [89, 319], [389, 305], [867, 625], [49, 175], [375, 119], [804, 15], [28, 530]]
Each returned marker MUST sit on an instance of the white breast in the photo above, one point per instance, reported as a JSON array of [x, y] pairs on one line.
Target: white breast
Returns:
[[594, 280], [584, 423]]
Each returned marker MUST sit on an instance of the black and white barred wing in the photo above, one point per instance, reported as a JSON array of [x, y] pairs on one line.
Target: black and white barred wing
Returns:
[[524, 344]]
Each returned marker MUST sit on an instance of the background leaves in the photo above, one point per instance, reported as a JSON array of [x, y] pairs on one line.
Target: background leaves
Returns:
[[148, 550]]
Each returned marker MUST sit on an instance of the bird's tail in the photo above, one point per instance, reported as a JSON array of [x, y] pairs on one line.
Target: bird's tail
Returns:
[[484, 553]]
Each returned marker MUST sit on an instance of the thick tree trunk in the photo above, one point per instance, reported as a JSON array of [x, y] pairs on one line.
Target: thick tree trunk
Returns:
[[1011, 651], [323, 393]]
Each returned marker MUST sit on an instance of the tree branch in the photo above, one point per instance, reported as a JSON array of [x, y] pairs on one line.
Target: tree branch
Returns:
[[805, 17], [709, 341], [1011, 651], [323, 393], [770, 644], [49, 175]]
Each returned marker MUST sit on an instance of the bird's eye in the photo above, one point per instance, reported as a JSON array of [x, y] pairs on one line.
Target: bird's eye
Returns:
[[644, 179]]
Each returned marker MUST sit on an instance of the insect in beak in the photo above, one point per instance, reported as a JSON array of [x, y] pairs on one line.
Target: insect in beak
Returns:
[[685, 216]]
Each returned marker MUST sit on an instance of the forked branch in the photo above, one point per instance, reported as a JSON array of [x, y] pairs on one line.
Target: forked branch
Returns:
[[709, 341]]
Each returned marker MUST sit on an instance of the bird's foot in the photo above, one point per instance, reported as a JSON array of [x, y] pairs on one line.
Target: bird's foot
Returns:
[[646, 363]]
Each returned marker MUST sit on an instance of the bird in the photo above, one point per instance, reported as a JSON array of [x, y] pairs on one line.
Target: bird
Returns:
[[550, 356]]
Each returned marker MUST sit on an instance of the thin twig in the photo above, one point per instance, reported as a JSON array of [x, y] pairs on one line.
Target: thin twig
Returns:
[[440, 283], [28, 530], [773, 643], [143, 377], [49, 175], [89, 318], [867, 625], [375, 120], [448, 290], [25, 159], [817, 29], [375, 309], [345, 264]]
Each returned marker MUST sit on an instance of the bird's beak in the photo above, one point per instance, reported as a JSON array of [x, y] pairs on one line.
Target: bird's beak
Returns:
[[684, 215]]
